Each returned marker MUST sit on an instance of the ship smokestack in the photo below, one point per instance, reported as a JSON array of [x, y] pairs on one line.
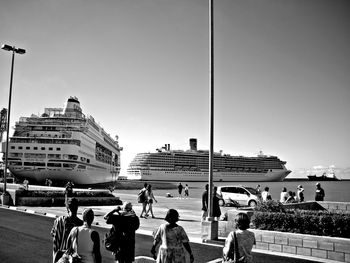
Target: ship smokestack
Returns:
[[193, 144], [168, 147]]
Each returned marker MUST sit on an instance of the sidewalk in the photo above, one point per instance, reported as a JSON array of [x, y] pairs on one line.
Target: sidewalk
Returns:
[[190, 219]]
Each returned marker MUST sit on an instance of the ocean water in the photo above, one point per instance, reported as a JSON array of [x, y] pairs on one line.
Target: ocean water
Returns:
[[337, 191]]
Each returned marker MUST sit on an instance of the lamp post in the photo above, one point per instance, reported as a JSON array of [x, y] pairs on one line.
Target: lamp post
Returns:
[[210, 226], [18, 51]]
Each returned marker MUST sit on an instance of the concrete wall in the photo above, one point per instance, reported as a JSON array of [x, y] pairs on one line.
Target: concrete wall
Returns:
[[336, 206], [306, 245]]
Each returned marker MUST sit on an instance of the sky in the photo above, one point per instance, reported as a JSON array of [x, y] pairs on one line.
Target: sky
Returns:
[[141, 69]]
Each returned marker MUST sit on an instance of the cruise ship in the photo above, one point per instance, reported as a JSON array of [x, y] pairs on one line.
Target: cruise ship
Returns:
[[63, 145], [193, 165]]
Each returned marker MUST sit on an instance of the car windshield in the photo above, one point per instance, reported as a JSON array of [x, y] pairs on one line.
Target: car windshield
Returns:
[[252, 190]]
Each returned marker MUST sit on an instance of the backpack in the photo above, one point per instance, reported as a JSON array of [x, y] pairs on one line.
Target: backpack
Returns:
[[141, 198], [112, 240]]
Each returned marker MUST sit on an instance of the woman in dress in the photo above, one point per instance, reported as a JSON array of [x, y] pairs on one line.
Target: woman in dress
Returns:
[[150, 198], [173, 239], [245, 240], [84, 241]]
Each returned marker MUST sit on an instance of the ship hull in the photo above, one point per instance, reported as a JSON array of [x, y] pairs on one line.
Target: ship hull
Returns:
[[80, 178], [195, 176]]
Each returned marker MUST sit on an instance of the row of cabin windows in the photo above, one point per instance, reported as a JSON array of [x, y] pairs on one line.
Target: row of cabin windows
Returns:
[[50, 156], [35, 148]]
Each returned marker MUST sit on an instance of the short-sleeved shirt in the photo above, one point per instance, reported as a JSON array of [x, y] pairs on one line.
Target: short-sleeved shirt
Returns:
[[172, 239]]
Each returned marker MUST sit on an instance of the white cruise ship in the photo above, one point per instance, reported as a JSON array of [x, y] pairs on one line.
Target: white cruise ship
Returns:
[[63, 145], [193, 165]]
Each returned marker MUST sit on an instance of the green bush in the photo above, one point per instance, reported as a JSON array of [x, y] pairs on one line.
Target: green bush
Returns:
[[304, 222]]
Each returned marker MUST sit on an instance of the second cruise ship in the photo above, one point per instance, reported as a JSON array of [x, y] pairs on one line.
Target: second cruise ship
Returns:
[[193, 165]]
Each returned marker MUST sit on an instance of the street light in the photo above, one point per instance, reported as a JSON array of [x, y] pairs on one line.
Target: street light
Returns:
[[18, 51]]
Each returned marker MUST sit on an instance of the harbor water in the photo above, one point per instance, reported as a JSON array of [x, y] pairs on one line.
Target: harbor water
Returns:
[[336, 191]]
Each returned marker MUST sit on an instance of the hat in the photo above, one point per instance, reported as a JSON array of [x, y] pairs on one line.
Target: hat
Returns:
[[318, 184], [299, 186]]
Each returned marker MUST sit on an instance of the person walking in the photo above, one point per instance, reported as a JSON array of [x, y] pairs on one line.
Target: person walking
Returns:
[[84, 241], [142, 199], [283, 195], [179, 188], [186, 191], [205, 202], [319, 194], [150, 198], [173, 240], [126, 222], [62, 227], [240, 241], [300, 193]]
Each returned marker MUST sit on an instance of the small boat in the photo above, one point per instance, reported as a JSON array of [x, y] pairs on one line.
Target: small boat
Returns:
[[330, 176]]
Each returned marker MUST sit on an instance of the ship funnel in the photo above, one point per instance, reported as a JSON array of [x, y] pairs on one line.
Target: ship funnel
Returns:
[[72, 108], [193, 144]]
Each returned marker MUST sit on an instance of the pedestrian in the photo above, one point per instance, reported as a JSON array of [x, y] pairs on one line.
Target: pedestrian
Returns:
[[300, 193], [26, 184], [265, 195], [320, 194], [142, 199], [291, 197], [125, 222], [179, 188], [186, 191], [68, 191], [284, 195], [62, 227], [173, 239], [205, 202], [150, 198], [84, 241], [258, 189], [242, 238], [216, 206]]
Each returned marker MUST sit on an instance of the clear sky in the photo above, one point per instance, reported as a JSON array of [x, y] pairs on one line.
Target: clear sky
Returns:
[[140, 68]]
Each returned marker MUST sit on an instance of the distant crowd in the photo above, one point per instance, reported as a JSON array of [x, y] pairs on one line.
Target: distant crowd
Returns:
[[290, 196]]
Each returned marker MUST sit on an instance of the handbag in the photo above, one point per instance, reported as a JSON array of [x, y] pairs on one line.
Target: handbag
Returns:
[[233, 254], [71, 256]]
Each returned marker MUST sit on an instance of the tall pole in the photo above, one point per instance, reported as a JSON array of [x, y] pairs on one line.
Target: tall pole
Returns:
[[211, 99], [4, 197], [8, 121]]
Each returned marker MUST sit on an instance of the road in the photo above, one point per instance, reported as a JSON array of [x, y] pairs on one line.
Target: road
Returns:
[[25, 238]]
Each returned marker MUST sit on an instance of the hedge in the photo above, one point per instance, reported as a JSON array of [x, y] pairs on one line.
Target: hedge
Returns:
[[272, 216]]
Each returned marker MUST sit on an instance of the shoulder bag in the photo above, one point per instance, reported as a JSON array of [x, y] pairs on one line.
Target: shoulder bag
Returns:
[[233, 253]]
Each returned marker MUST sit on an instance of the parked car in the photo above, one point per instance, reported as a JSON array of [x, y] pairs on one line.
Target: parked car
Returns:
[[237, 195]]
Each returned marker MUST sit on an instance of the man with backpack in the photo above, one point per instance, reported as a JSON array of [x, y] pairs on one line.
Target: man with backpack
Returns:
[[141, 198]]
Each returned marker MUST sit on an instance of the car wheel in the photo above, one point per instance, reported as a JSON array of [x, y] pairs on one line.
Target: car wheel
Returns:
[[221, 203], [252, 204]]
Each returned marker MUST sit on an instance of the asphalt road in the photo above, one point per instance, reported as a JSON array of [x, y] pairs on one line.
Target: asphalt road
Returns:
[[25, 238]]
